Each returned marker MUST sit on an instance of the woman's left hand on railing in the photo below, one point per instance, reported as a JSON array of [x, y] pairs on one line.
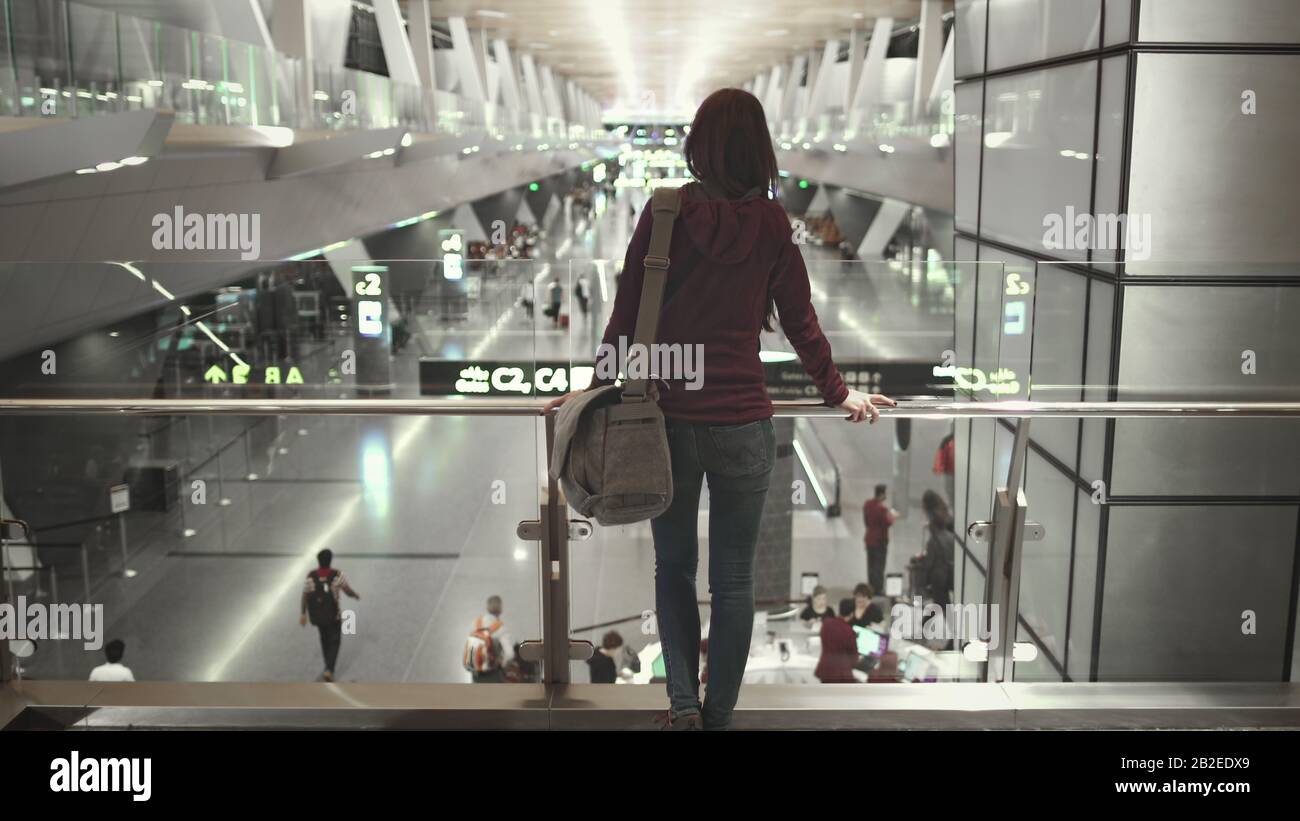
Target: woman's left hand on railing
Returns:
[[555, 403]]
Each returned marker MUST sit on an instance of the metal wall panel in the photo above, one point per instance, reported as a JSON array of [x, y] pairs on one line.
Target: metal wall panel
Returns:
[[969, 133], [969, 29], [1056, 369], [1216, 21], [1045, 567], [1023, 31], [1037, 145], [1118, 22], [1178, 580], [1217, 184], [1101, 304], [1111, 122], [1087, 532], [1188, 341]]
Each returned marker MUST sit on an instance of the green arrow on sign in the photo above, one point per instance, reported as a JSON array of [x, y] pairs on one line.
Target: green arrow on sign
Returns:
[[215, 374]]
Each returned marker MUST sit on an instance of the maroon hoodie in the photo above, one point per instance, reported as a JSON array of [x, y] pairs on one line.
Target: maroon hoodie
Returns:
[[727, 258]]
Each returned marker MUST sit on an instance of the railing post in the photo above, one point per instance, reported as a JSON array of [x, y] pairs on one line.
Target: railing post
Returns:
[[555, 574], [1010, 507]]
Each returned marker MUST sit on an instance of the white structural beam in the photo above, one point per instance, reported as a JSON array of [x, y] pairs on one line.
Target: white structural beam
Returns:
[[788, 102], [774, 93], [510, 96], [471, 80], [330, 22], [943, 78], [551, 98], [883, 227], [291, 28], [857, 47], [928, 52], [420, 33], [397, 48], [532, 86], [872, 82], [819, 98]]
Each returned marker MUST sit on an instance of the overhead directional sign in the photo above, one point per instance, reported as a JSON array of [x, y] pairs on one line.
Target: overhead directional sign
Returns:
[[785, 379], [240, 375]]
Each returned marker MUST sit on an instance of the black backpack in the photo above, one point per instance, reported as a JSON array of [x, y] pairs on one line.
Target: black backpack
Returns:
[[322, 607]]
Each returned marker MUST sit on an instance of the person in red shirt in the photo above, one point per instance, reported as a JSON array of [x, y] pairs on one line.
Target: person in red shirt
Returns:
[[839, 648], [877, 516], [945, 465]]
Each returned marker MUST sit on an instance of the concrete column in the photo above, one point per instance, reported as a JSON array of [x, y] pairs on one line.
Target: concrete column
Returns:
[[361, 278]]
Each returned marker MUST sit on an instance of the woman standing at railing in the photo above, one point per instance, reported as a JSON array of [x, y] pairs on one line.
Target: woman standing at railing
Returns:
[[735, 265]]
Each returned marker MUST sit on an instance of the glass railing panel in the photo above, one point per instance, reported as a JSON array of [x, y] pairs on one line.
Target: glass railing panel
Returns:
[[892, 327], [122, 62], [93, 46], [39, 35], [227, 512]]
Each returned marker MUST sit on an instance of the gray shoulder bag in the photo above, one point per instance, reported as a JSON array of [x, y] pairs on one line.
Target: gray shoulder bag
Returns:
[[611, 448]]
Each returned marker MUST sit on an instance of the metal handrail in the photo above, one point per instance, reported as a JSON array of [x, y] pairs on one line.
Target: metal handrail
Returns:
[[907, 409]]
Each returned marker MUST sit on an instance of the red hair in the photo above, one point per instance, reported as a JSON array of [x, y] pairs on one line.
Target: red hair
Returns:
[[729, 146]]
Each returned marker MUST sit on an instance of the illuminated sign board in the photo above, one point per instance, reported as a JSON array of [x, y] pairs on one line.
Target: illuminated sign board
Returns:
[[788, 380], [458, 377], [785, 380], [452, 244], [368, 285], [243, 375]]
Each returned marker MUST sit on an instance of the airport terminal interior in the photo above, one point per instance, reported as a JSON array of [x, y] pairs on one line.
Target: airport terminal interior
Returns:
[[280, 277]]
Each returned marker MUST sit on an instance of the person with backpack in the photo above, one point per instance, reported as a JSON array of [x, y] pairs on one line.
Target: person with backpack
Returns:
[[320, 604], [488, 648], [731, 266]]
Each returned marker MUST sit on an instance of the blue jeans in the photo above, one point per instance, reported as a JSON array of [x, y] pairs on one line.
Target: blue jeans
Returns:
[[738, 460]]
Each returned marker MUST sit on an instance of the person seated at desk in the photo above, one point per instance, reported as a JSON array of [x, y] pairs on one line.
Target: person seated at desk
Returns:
[[611, 659], [865, 611], [818, 608], [839, 648], [886, 671]]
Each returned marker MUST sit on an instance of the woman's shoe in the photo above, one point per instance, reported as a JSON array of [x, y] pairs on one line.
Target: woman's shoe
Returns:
[[667, 721]]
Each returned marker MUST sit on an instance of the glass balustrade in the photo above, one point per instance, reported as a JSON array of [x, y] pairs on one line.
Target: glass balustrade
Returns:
[[202, 570], [68, 59]]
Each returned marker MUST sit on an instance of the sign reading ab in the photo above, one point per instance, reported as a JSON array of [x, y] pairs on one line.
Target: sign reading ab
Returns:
[[239, 375]]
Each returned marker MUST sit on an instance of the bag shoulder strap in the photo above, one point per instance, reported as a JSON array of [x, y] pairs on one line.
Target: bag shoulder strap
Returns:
[[664, 204]]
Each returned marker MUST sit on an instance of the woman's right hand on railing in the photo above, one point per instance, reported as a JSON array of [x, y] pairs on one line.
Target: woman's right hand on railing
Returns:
[[861, 405]]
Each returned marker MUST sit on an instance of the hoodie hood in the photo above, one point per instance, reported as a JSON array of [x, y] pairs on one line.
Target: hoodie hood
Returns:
[[723, 231]]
